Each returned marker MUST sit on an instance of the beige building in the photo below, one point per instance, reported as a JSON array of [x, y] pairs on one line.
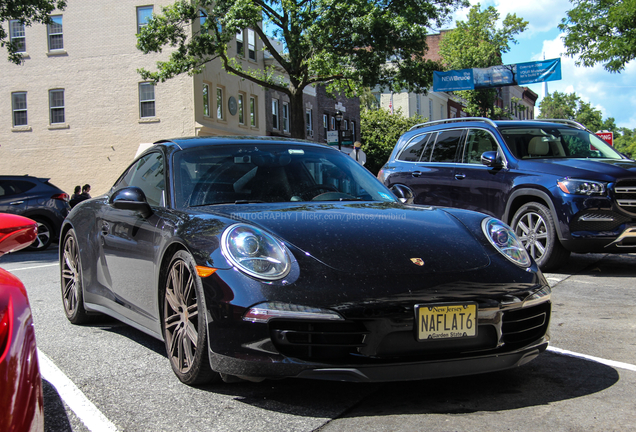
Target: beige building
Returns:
[[77, 110]]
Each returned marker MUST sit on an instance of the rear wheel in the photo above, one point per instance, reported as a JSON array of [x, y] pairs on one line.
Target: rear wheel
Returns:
[[184, 324], [535, 227], [72, 293], [45, 235]]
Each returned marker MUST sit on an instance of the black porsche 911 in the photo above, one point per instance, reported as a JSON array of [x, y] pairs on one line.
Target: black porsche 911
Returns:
[[259, 258]]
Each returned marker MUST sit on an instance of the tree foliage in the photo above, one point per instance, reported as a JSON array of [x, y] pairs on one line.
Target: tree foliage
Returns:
[[346, 45], [601, 31], [480, 43], [27, 12], [380, 131], [625, 142], [570, 106]]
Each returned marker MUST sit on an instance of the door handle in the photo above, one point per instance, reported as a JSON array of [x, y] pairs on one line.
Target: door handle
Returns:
[[16, 202], [416, 173], [460, 176]]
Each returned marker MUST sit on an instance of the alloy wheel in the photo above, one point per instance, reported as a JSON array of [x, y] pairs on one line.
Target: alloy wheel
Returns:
[[70, 275], [181, 316], [532, 230]]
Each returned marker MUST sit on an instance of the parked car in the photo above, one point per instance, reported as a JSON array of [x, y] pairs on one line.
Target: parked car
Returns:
[[270, 258], [37, 199], [560, 187], [20, 381]]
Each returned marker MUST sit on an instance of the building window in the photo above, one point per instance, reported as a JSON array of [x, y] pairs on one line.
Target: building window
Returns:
[[144, 13], [19, 106], [251, 44], [353, 130], [240, 48], [253, 118], [56, 105], [309, 123], [285, 117], [146, 100], [333, 123], [56, 37], [275, 113], [219, 103], [17, 35], [241, 109], [325, 122], [206, 100]]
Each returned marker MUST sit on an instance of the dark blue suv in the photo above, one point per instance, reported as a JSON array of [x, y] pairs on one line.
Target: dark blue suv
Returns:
[[559, 186]]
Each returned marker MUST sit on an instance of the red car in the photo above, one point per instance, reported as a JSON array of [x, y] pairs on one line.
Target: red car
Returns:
[[21, 399]]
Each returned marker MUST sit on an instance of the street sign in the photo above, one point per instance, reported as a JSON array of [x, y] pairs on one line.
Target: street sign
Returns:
[[608, 137], [332, 137]]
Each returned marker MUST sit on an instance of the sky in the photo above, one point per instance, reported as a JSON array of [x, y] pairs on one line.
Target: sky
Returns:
[[611, 93]]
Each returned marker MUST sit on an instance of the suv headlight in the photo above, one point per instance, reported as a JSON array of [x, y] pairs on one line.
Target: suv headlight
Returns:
[[503, 238], [581, 187], [255, 252]]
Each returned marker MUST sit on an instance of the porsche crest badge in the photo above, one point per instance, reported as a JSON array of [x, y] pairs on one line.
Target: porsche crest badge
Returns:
[[417, 261]]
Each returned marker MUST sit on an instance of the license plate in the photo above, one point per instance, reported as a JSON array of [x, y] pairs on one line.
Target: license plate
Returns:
[[446, 321]]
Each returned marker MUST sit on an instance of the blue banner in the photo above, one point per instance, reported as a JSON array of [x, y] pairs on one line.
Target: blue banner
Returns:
[[540, 71], [454, 80], [497, 76]]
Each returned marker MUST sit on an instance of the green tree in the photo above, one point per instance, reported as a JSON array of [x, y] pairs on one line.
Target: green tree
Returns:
[[569, 106], [625, 142], [346, 45], [480, 43], [27, 12], [601, 31], [380, 131]]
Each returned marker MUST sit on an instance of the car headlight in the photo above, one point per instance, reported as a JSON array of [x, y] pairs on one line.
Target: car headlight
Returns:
[[581, 187], [505, 241], [255, 252]]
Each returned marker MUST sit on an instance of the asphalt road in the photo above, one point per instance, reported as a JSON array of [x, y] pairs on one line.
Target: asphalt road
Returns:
[[108, 376]]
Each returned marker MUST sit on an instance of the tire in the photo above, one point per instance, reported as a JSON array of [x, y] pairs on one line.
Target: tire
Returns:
[[71, 278], [184, 323], [45, 235], [535, 227]]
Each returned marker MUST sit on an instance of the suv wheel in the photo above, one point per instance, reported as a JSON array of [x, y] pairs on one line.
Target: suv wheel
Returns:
[[45, 235], [534, 226]]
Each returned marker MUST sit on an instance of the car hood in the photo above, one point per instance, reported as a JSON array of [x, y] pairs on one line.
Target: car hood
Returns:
[[593, 169], [371, 238]]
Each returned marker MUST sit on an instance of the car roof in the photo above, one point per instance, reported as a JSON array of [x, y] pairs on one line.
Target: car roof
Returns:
[[474, 121], [193, 142]]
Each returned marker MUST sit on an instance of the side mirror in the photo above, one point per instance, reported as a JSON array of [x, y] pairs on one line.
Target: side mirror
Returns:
[[16, 232], [131, 198], [491, 159], [403, 193]]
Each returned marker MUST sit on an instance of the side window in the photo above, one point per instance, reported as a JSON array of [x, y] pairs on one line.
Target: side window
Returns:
[[14, 187], [478, 141], [148, 174], [446, 146], [413, 150]]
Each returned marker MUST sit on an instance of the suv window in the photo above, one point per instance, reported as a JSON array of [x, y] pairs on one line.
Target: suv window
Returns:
[[446, 146], [14, 187], [413, 151], [478, 141]]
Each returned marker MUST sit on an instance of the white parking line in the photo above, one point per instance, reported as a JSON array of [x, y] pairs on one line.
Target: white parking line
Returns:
[[92, 418], [611, 363], [36, 267]]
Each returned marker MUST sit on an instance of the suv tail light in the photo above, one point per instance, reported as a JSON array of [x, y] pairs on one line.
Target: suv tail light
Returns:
[[62, 196]]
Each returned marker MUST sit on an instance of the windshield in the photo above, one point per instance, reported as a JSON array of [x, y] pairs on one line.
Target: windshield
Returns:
[[248, 173], [556, 142]]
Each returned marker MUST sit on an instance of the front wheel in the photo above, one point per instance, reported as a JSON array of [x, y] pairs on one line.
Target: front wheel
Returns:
[[534, 226], [184, 324], [72, 293]]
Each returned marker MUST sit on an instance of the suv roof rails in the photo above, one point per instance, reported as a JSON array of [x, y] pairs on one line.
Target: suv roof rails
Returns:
[[568, 122], [454, 120]]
